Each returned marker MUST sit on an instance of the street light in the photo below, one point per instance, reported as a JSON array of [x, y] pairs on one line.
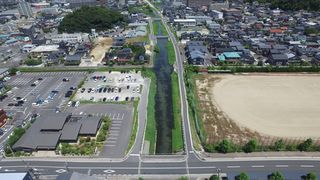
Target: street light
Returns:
[[219, 172]]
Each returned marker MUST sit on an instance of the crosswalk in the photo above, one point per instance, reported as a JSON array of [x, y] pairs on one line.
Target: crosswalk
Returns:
[[50, 74]]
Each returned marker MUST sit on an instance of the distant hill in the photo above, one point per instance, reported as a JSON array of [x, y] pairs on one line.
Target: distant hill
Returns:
[[87, 18], [310, 5]]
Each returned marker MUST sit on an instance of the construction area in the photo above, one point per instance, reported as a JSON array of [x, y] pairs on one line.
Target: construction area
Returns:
[[101, 46], [265, 106]]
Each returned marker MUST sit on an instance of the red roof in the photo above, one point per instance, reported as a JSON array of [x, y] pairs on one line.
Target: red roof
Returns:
[[276, 31]]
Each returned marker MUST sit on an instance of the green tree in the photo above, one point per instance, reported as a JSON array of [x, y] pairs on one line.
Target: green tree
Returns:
[[279, 145], [311, 176], [242, 176], [87, 18], [250, 146], [183, 178], [13, 71], [306, 145], [225, 146], [214, 177], [276, 176], [33, 62]]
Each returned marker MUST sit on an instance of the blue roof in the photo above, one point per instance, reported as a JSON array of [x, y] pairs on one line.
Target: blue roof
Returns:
[[221, 58], [231, 55]]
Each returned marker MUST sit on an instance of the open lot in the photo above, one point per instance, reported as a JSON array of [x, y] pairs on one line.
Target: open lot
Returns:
[[274, 105], [120, 130], [108, 87], [101, 47], [241, 107], [39, 90]]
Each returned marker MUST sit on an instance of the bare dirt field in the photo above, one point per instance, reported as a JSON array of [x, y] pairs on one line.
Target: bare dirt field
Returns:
[[101, 46], [240, 107]]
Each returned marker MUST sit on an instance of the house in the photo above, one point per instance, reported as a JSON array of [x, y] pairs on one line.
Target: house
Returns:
[[229, 57], [278, 59], [73, 59], [196, 52], [4, 72], [44, 50], [3, 117], [118, 41], [124, 56]]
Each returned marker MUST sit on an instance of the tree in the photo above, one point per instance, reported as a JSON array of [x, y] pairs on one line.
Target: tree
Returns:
[[250, 146], [225, 146], [311, 176], [276, 176], [87, 18], [306, 145], [13, 71], [279, 145], [183, 178], [214, 177], [242, 176]]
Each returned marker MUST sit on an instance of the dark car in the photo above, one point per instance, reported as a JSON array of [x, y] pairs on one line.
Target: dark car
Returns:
[[117, 98], [119, 90], [11, 104], [100, 90], [33, 84], [65, 79], [104, 99], [127, 98], [68, 94], [104, 90], [40, 79]]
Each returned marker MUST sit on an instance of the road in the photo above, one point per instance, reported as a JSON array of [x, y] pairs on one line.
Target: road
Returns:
[[190, 163]]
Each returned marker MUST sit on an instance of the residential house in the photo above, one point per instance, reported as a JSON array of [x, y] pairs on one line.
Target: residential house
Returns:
[[73, 60], [3, 117]]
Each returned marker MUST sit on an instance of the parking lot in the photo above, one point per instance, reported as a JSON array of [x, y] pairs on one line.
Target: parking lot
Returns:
[[32, 91], [108, 87], [120, 130]]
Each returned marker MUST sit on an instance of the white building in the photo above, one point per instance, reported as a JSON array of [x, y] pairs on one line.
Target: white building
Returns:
[[185, 22], [70, 38], [217, 14]]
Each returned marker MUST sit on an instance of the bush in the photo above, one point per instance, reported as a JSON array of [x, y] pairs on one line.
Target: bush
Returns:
[[33, 62], [251, 146], [214, 177], [311, 176], [306, 145], [242, 176], [225, 146], [279, 145], [276, 176]]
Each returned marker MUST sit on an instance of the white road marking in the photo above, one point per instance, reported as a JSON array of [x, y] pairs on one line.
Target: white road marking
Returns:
[[307, 166], [233, 166], [109, 171], [109, 145], [257, 166], [282, 166], [61, 171]]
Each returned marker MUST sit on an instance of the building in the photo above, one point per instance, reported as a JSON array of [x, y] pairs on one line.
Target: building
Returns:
[[79, 3], [70, 38], [25, 9], [198, 3], [16, 176], [73, 60], [44, 50], [8, 2], [3, 117], [185, 22], [4, 72], [50, 128], [196, 52]]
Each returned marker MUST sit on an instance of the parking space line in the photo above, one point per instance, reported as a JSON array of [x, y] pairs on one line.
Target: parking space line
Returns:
[[115, 125], [115, 128], [113, 116], [110, 142], [110, 145]]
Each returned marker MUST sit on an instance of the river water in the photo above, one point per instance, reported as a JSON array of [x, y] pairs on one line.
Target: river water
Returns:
[[163, 101]]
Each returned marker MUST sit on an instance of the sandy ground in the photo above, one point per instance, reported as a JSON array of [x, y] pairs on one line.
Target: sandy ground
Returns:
[[101, 47], [286, 106]]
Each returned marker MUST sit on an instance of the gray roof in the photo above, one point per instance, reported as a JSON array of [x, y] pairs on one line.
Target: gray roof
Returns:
[[70, 131], [75, 57], [53, 121], [3, 70], [90, 125], [35, 139]]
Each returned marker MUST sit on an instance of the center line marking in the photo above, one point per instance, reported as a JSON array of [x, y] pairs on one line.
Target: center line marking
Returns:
[[233, 166], [282, 166], [257, 166], [307, 166]]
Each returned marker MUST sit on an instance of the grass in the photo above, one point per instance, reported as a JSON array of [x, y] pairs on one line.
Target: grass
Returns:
[[156, 26], [150, 132], [171, 53], [135, 127], [177, 137]]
